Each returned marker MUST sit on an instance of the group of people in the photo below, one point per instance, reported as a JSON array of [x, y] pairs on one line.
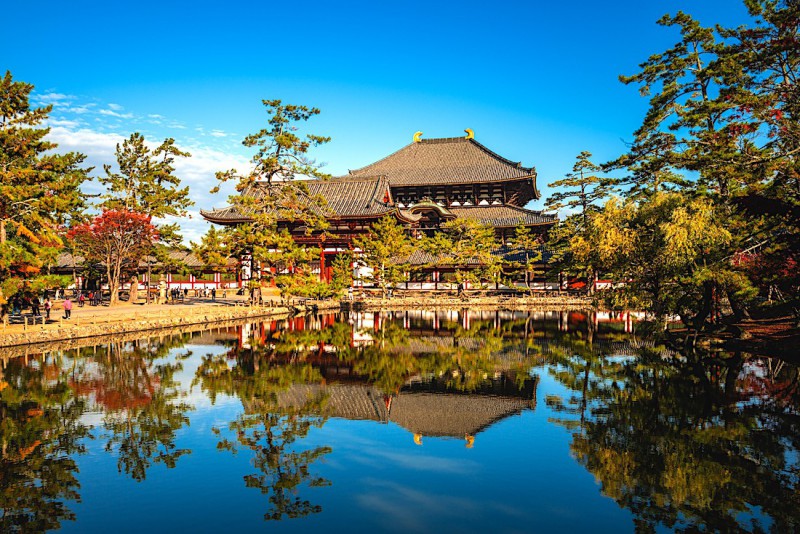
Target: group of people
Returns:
[[94, 298], [19, 303], [38, 306], [206, 292]]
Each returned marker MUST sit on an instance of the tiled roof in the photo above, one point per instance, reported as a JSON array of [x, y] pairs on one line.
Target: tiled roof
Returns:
[[454, 160], [346, 197], [67, 261], [503, 216], [430, 414], [508, 254]]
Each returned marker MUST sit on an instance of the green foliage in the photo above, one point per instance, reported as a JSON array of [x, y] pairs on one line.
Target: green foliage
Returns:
[[527, 244], [39, 189], [281, 154], [385, 250], [724, 108], [668, 250], [579, 193], [342, 272], [270, 197], [470, 247], [212, 249], [581, 189], [145, 182]]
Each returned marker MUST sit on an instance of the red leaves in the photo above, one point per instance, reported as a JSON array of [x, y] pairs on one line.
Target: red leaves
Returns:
[[119, 233]]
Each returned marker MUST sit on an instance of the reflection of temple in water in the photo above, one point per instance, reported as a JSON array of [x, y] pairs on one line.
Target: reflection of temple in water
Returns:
[[423, 407]]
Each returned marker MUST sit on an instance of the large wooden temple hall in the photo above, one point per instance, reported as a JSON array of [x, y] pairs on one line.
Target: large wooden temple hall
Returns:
[[423, 184]]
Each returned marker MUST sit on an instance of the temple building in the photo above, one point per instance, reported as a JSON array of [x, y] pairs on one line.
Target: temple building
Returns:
[[423, 184]]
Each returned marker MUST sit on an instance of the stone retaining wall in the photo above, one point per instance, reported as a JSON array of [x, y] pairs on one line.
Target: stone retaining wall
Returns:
[[140, 323], [477, 303]]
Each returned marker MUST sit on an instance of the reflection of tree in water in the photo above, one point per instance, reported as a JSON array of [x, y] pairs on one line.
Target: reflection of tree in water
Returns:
[[462, 358], [688, 443], [270, 427], [40, 432], [135, 387]]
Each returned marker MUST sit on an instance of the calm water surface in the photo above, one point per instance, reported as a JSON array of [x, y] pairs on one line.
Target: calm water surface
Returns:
[[401, 422]]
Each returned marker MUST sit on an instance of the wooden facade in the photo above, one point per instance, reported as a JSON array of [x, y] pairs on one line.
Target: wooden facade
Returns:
[[423, 185]]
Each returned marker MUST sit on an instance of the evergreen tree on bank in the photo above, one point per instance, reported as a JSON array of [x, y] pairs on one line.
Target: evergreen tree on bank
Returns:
[[270, 193], [146, 183], [39, 188]]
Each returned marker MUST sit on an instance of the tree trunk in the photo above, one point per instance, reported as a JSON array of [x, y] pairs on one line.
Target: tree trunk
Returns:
[[705, 307], [113, 281], [739, 310], [134, 292]]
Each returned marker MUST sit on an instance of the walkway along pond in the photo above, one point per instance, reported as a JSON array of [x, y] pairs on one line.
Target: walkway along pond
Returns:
[[415, 420]]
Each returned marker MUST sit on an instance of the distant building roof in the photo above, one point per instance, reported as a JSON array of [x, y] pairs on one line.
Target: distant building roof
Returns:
[[66, 261], [364, 196], [503, 216], [452, 160], [430, 413]]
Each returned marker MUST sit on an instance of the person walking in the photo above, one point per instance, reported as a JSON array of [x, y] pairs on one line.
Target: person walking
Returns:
[[81, 300], [35, 306], [67, 308], [213, 293], [47, 306]]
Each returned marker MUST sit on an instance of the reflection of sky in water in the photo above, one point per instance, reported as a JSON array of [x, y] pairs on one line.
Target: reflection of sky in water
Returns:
[[519, 475]]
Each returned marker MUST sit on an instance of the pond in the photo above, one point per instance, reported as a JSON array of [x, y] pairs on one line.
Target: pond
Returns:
[[396, 422]]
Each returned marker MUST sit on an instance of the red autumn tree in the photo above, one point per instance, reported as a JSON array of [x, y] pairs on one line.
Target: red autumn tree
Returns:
[[117, 239]]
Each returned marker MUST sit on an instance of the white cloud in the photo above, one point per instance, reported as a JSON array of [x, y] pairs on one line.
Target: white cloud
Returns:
[[85, 108], [63, 122], [115, 107], [57, 99], [198, 171], [218, 133], [112, 113]]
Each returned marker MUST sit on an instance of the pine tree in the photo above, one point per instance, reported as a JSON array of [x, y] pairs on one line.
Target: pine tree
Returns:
[[269, 193], [580, 192], [385, 250], [146, 184], [39, 189]]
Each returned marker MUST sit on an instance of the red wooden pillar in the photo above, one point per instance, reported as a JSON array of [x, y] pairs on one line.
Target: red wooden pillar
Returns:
[[322, 264]]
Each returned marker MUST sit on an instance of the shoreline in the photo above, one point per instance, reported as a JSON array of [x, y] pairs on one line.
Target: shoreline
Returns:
[[93, 324], [537, 303], [134, 322]]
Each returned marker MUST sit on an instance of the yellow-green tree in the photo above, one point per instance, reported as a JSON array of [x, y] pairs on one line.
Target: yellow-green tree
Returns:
[[385, 249], [470, 247]]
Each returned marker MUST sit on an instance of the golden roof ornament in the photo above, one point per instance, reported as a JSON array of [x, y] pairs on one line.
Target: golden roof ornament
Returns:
[[470, 134], [418, 137]]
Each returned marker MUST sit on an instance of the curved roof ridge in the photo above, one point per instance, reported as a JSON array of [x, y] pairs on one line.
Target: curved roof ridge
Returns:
[[494, 154], [353, 171], [357, 178], [508, 206], [447, 160]]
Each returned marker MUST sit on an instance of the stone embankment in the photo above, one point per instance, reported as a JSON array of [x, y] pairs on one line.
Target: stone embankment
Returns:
[[136, 320], [554, 303]]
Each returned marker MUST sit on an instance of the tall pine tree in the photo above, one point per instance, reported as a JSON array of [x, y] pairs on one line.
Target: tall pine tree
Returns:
[[39, 188]]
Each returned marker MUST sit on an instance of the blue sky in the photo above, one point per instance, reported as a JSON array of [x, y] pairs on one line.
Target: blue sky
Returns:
[[536, 81]]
